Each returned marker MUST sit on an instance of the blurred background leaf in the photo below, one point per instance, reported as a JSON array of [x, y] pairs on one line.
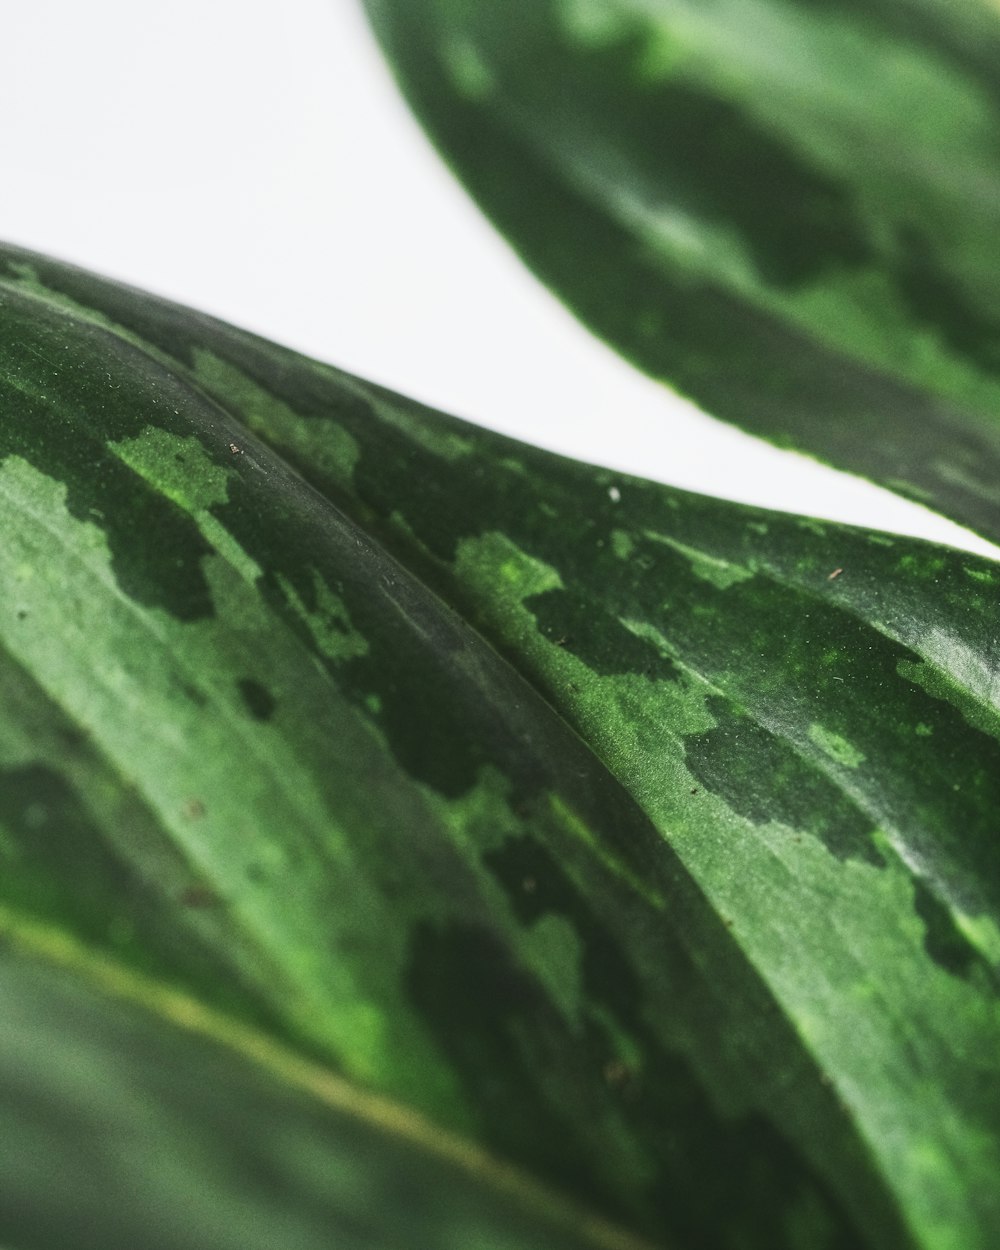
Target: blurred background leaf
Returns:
[[787, 209]]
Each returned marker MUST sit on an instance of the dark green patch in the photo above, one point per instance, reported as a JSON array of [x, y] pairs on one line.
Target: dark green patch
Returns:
[[762, 777], [259, 701], [499, 1030], [573, 620], [946, 944], [740, 1177], [936, 299]]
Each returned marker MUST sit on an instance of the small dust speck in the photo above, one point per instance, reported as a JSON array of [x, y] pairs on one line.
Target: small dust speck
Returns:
[[835, 573], [529, 885], [236, 449], [614, 494]]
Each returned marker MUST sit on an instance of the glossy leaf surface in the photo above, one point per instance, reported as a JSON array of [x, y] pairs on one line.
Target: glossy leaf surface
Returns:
[[787, 209], [642, 840]]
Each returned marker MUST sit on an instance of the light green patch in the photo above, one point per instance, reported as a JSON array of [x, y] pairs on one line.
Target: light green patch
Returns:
[[180, 468], [227, 546], [680, 237], [980, 575], [837, 748], [983, 933], [555, 954], [909, 490], [322, 443], [719, 573], [444, 437], [501, 573], [177, 466], [329, 622], [922, 730], [469, 73], [663, 54], [593, 23], [970, 482], [479, 820], [622, 544]]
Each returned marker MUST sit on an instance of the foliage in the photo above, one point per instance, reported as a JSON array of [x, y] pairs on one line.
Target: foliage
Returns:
[[412, 838]]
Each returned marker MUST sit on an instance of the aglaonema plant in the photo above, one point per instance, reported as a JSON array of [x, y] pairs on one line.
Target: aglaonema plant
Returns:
[[414, 839]]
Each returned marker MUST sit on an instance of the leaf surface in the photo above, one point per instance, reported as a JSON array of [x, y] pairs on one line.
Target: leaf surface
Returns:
[[786, 209], [643, 840]]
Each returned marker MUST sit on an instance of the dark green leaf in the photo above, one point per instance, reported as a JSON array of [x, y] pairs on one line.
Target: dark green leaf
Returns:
[[646, 841], [789, 209]]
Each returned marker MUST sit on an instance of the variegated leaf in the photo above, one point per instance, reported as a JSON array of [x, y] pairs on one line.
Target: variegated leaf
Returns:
[[644, 841]]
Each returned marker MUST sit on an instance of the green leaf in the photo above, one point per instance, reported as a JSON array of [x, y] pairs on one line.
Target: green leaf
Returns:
[[787, 209], [643, 841], [134, 1116]]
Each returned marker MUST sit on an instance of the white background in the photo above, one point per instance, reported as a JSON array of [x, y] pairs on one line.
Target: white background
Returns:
[[252, 158]]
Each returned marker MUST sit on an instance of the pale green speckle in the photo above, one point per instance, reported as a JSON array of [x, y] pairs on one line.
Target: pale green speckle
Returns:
[[622, 544], [837, 748]]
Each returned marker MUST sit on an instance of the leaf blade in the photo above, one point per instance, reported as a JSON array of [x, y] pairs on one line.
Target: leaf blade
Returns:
[[630, 608], [398, 939]]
